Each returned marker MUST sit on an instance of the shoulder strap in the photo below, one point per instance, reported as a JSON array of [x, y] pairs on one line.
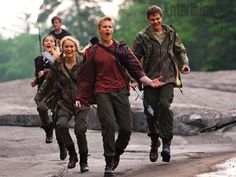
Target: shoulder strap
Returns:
[[106, 49], [117, 53]]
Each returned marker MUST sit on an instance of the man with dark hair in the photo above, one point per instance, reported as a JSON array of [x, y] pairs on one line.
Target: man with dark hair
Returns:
[[58, 32], [163, 54]]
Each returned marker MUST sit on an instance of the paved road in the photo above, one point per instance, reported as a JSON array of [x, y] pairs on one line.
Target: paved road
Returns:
[[23, 153]]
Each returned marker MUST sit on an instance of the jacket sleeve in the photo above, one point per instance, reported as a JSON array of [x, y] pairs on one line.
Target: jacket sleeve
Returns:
[[131, 63], [137, 47], [86, 82], [39, 66], [180, 52], [47, 85]]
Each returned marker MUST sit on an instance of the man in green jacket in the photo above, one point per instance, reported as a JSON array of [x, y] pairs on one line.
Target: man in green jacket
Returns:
[[162, 54]]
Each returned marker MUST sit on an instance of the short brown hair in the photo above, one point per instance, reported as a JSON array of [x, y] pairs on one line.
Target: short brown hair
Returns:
[[153, 9], [55, 18], [106, 18]]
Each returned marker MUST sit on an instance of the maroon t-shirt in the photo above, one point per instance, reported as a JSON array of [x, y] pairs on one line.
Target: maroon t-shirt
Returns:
[[108, 75]]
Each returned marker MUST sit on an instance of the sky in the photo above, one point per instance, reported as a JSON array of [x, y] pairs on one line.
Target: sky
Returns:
[[12, 14]]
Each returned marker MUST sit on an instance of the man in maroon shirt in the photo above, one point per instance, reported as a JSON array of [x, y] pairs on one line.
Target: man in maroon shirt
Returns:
[[103, 80]]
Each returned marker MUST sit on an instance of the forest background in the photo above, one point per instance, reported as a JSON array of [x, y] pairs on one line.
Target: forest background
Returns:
[[206, 27]]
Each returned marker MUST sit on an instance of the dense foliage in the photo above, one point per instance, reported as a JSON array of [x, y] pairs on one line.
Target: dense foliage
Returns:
[[16, 57], [206, 27]]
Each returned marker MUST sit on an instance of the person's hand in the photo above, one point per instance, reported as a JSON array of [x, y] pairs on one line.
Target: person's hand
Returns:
[[134, 84], [56, 53], [185, 69], [157, 82], [33, 82], [40, 73], [78, 104]]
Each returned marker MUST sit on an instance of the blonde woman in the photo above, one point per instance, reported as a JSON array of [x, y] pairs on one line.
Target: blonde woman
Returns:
[[64, 74]]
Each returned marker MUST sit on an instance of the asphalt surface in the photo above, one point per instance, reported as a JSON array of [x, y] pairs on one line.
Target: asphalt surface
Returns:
[[23, 153]]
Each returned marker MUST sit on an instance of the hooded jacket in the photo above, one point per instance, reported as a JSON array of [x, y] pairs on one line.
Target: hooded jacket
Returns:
[[64, 81], [142, 48]]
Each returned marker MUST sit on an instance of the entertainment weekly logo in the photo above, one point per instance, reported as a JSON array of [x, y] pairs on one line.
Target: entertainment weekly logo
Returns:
[[198, 10]]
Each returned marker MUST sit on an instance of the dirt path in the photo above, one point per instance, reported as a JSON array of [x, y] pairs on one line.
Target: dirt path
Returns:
[[183, 168]]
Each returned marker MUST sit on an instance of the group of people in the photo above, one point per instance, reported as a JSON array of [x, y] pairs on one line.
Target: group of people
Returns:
[[101, 74]]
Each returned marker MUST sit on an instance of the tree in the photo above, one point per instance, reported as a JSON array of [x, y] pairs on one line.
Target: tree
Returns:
[[17, 60], [132, 19], [81, 18], [206, 27]]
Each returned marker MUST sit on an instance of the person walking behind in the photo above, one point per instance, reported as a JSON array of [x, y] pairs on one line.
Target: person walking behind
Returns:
[[63, 75], [42, 67], [58, 32], [163, 55], [105, 82]]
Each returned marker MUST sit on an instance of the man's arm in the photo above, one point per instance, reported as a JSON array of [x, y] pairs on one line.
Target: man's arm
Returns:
[[180, 52], [137, 47]]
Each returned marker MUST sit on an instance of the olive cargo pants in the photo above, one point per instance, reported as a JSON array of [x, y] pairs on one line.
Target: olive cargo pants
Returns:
[[81, 124], [160, 99], [114, 108]]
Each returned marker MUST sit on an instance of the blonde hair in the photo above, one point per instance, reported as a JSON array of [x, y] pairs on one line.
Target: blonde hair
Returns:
[[106, 18], [70, 38]]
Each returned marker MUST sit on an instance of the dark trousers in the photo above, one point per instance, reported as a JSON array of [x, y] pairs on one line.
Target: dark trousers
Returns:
[[81, 124], [43, 113], [46, 120], [114, 108], [160, 99]]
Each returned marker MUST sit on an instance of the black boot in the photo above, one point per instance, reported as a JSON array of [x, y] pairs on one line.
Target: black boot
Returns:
[[63, 151], [153, 155], [49, 133], [73, 157], [109, 170], [116, 159], [84, 163], [165, 153]]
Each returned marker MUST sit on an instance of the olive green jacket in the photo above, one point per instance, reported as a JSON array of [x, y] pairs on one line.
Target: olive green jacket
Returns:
[[142, 48], [65, 82]]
